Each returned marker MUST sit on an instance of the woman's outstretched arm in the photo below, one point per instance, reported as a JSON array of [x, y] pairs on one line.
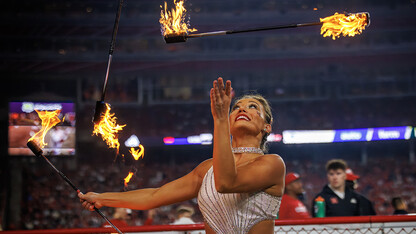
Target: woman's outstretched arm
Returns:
[[179, 190]]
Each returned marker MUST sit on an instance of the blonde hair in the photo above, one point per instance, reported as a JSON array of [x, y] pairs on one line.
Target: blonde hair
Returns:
[[268, 117]]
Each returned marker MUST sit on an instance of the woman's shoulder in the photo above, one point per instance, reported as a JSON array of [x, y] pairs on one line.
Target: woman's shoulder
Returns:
[[203, 167], [271, 158], [274, 166]]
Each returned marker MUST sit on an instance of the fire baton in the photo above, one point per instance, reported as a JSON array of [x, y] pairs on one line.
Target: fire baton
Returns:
[[39, 153], [182, 37], [100, 105]]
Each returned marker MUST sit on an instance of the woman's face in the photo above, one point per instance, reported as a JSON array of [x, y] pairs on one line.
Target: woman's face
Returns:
[[248, 114]]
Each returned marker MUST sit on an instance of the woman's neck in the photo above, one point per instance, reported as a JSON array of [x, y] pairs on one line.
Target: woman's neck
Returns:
[[247, 141]]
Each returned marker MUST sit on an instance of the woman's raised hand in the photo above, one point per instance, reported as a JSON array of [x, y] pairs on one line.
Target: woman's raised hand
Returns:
[[220, 99]]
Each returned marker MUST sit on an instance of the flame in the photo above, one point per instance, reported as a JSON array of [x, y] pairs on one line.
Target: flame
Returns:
[[108, 129], [127, 179], [347, 25], [49, 119], [173, 22], [137, 153]]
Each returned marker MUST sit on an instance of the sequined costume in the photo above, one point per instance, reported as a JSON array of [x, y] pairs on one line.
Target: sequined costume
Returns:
[[234, 212]]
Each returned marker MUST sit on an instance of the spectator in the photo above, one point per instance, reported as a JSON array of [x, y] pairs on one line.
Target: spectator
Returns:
[[291, 207], [351, 179], [150, 217], [366, 206], [120, 218], [339, 199], [399, 205], [184, 214]]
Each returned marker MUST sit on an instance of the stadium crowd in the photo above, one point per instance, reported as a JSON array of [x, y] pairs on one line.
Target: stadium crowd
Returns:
[[49, 203]]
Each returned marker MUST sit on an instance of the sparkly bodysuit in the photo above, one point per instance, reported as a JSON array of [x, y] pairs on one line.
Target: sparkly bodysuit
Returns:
[[234, 212]]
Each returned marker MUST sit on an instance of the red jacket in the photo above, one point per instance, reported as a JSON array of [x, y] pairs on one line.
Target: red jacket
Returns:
[[292, 208]]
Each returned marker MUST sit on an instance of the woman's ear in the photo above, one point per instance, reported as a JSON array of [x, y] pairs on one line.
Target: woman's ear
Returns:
[[268, 128]]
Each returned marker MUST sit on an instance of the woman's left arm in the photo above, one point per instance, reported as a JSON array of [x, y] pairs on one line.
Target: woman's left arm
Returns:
[[223, 159]]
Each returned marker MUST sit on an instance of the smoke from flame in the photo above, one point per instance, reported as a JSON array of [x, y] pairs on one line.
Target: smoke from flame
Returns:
[[345, 25], [49, 119], [173, 22], [108, 129]]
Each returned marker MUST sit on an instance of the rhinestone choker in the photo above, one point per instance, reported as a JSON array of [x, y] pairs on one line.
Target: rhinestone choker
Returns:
[[253, 150]]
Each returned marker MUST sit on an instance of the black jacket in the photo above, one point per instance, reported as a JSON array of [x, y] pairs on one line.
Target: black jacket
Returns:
[[400, 212], [366, 206], [335, 206]]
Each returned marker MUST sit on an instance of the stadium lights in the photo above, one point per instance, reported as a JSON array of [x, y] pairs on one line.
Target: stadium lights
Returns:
[[312, 136]]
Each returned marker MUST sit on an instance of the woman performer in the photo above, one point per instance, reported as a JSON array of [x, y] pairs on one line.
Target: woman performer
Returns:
[[239, 190]]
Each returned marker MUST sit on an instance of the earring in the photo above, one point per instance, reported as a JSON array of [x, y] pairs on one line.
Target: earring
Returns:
[[265, 129]]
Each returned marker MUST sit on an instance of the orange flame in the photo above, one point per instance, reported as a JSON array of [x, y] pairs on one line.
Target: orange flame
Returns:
[[49, 119], [108, 129], [127, 179], [137, 153], [173, 22], [347, 25]]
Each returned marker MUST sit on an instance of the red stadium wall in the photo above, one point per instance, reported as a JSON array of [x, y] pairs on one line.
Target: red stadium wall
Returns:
[[363, 224]]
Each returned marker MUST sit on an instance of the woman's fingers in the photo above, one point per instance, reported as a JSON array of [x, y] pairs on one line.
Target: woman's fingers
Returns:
[[84, 202], [221, 89], [224, 89], [220, 84], [228, 88], [88, 206], [220, 95], [217, 93]]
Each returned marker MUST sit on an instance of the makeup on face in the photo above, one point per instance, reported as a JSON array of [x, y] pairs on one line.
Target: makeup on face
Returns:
[[249, 104]]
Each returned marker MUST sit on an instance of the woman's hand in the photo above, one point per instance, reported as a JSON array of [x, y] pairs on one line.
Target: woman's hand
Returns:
[[220, 99], [89, 200]]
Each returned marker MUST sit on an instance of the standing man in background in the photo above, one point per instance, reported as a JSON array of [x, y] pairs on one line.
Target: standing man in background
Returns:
[[366, 206], [291, 207], [339, 200]]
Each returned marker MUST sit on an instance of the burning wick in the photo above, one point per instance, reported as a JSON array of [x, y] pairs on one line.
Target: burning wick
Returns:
[[345, 25], [336, 25], [100, 108], [50, 119], [173, 22], [108, 128]]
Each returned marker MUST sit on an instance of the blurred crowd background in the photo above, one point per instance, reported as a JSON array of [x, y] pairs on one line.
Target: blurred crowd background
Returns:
[[48, 203], [58, 51]]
